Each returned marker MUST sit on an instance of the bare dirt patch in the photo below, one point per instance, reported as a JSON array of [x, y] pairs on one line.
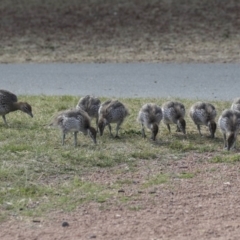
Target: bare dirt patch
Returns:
[[202, 206]]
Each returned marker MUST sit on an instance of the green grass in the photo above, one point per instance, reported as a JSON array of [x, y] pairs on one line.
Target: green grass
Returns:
[[39, 175], [186, 175], [228, 158], [156, 180]]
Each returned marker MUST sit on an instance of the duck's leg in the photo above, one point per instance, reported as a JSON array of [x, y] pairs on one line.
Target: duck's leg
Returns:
[[224, 141], [75, 139], [199, 129], [110, 129], [234, 145], [4, 119], [143, 132], [63, 138], [235, 140], [153, 137], [231, 141], [117, 128], [97, 123], [178, 129], [169, 129]]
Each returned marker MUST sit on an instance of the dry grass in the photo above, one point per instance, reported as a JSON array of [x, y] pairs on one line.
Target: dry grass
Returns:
[[119, 31]]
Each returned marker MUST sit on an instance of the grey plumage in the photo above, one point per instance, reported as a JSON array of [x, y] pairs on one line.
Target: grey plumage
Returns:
[[74, 120], [204, 114], [90, 105], [111, 111], [9, 103], [236, 104], [173, 113], [150, 116], [229, 124]]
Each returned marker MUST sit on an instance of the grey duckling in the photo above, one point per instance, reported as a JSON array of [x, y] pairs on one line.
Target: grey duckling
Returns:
[[174, 113], [236, 104], [74, 120], [204, 114], [90, 105], [150, 116], [111, 111], [229, 124]]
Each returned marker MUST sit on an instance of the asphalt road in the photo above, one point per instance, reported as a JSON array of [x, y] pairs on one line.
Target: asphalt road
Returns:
[[195, 81]]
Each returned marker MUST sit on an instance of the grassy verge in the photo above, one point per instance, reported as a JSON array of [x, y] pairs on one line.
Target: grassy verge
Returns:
[[38, 175]]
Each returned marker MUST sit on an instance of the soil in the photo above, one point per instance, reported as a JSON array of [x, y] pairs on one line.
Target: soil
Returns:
[[206, 206]]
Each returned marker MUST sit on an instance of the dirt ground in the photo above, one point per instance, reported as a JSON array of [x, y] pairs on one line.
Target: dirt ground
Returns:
[[206, 206], [203, 207]]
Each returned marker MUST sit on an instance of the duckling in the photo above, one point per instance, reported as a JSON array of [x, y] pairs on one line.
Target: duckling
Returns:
[[173, 113], [236, 104], [111, 111], [74, 120], [204, 114], [90, 105], [9, 103], [229, 123], [150, 116]]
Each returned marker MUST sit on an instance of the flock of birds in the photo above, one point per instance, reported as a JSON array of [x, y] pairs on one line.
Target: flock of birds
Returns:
[[150, 115]]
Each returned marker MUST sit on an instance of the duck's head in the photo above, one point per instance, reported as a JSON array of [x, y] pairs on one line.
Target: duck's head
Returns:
[[182, 125], [230, 141], [154, 129], [25, 107], [93, 134], [101, 125]]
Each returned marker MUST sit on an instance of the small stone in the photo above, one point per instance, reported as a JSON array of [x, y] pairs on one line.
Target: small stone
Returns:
[[121, 190], [152, 192], [65, 224], [227, 183], [93, 236], [36, 221]]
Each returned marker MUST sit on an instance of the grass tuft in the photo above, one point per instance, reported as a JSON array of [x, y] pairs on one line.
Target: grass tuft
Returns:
[[226, 158], [186, 175], [156, 180]]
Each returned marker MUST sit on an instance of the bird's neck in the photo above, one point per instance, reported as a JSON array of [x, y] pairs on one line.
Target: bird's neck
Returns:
[[16, 106]]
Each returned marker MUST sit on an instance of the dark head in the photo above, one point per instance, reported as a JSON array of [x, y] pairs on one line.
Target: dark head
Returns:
[[93, 134], [25, 107], [101, 125], [212, 126], [154, 131], [230, 141], [182, 125]]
